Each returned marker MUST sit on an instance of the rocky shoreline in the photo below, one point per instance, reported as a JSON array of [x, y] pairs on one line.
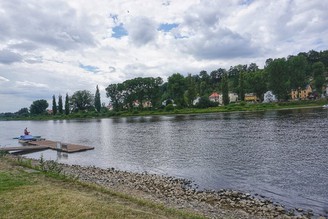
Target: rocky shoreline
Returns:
[[179, 194]]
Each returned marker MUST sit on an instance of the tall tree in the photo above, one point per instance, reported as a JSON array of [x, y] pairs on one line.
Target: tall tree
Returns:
[[297, 65], [54, 105], [60, 104], [257, 83], [225, 90], [318, 69], [191, 90], [82, 100], [177, 87], [97, 100], [241, 87], [115, 93], [67, 104], [39, 107], [278, 78]]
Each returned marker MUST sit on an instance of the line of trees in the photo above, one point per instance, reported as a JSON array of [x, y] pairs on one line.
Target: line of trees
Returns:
[[81, 100], [279, 75]]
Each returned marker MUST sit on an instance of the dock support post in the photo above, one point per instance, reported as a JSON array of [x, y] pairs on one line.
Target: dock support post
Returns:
[[59, 145]]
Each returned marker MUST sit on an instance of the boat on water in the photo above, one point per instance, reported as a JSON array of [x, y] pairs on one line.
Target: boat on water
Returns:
[[28, 138]]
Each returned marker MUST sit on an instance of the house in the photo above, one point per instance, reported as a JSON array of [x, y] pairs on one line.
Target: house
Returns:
[[110, 106], [145, 104], [196, 101], [269, 97], [233, 97], [168, 101], [251, 97], [214, 97], [301, 94]]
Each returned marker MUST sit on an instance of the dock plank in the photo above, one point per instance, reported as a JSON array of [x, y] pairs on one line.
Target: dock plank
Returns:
[[23, 148], [66, 147]]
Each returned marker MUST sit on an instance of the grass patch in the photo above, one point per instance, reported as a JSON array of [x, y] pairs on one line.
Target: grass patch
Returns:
[[9, 181], [38, 194]]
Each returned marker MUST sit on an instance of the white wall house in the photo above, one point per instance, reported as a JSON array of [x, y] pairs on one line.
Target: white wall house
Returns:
[[269, 97], [233, 97]]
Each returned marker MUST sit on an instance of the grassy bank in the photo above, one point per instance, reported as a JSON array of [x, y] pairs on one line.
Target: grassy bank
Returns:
[[241, 106], [41, 193]]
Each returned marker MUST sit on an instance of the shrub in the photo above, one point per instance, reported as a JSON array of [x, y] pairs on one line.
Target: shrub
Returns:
[[169, 108]]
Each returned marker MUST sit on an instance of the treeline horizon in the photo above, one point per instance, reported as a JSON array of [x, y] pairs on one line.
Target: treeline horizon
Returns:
[[280, 75]]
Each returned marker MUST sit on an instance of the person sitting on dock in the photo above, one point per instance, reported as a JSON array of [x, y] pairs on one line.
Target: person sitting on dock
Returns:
[[26, 132]]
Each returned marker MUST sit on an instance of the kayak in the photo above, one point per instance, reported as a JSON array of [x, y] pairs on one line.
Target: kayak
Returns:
[[28, 137]]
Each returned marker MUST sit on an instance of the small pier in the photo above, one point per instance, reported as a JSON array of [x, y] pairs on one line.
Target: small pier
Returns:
[[47, 144]]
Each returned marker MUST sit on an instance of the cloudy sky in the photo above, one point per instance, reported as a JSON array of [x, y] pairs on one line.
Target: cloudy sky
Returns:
[[54, 47]]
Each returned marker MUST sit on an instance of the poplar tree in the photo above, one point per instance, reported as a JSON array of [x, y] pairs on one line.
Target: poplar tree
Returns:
[[66, 104], [97, 100], [225, 90], [54, 105], [60, 104]]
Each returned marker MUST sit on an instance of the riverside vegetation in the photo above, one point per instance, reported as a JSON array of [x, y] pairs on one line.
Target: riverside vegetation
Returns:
[[47, 189], [170, 110]]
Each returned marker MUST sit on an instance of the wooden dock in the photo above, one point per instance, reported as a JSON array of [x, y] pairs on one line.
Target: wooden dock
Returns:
[[24, 148], [47, 144]]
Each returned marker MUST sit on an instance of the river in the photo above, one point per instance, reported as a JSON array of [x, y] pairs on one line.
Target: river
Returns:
[[282, 155]]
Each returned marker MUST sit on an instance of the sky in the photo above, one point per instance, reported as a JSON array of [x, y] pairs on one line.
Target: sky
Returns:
[[54, 47]]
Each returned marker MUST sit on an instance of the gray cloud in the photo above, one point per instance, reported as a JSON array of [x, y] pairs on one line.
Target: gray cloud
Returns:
[[219, 44], [23, 46], [9, 57], [142, 30], [207, 36], [53, 24]]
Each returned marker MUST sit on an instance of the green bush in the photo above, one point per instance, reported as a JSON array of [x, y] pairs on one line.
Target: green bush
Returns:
[[169, 108]]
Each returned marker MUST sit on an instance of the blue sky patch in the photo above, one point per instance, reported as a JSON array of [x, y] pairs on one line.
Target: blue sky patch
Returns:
[[246, 2], [89, 68], [119, 31], [167, 27]]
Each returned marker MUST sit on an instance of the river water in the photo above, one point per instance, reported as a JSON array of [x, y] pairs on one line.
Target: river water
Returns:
[[282, 155]]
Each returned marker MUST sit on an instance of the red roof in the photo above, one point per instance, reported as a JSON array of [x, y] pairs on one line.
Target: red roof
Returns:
[[215, 94]]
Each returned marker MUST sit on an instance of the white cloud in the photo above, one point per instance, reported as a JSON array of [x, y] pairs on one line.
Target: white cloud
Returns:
[[3, 79], [30, 84], [57, 47]]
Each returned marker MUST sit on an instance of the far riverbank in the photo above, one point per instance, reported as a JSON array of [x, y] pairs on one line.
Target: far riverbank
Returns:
[[235, 107]]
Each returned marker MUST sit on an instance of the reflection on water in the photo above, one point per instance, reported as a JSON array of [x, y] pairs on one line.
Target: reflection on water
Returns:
[[280, 154]]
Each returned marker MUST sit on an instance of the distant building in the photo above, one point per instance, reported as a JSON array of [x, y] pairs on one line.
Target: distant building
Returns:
[[110, 106], [269, 97], [214, 97], [233, 97], [251, 97], [196, 101], [145, 104], [301, 94]]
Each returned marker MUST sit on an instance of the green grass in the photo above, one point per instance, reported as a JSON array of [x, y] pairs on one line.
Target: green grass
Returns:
[[9, 181], [30, 193]]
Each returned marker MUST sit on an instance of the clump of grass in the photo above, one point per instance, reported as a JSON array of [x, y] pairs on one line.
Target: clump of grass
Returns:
[[3, 153], [50, 167], [24, 162]]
